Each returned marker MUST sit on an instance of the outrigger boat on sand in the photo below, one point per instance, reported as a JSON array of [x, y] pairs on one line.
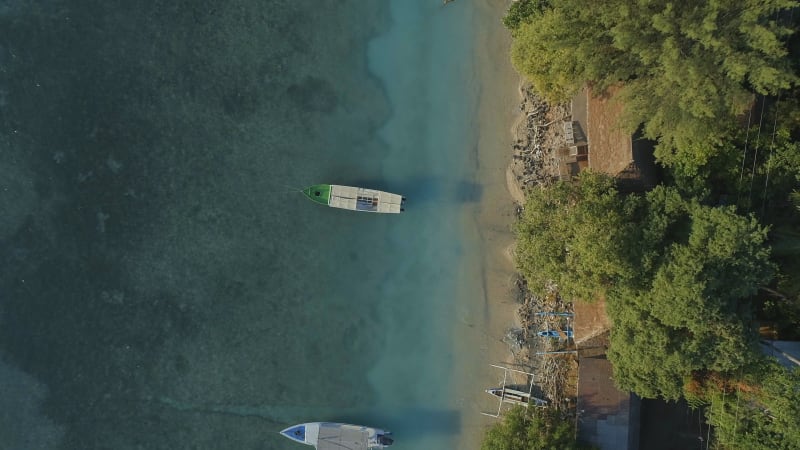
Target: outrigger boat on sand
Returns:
[[355, 198], [507, 394], [338, 436], [516, 397]]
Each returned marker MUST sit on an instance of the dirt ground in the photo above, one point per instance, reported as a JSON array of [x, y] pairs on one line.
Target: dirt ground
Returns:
[[610, 148], [590, 320]]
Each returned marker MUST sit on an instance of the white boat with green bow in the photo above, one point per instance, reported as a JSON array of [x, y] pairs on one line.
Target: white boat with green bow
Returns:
[[355, 198]]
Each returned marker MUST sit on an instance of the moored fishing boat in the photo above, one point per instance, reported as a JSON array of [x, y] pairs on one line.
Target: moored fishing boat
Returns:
[[338, 436], [355, 198]]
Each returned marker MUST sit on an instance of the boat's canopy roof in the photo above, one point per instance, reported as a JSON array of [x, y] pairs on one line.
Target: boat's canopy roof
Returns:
[[360, 199], [336, 436]]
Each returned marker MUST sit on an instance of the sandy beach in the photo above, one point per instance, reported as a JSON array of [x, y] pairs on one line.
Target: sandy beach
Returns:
[[483, 325]]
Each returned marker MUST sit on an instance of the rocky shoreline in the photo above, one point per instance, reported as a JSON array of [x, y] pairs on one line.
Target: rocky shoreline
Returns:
[[537, 138]]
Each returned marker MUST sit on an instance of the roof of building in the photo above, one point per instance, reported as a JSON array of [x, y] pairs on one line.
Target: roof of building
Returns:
[[610, 147], [603, 410], [786, 352]]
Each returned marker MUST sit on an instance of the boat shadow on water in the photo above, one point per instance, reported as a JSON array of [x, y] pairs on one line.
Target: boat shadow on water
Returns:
[[419, 421], [423, 192]]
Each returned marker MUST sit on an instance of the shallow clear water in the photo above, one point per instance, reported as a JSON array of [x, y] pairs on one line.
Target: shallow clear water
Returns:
[[162, 287]]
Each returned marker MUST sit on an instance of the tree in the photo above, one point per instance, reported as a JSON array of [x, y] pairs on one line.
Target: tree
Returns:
[[722, 260], [761, 410], [756, 167], [555, 51], [678, 276], [521, 11], [531, 429], [687, 69], [575, 235], [655, 360], [644, 353], [692, 310]]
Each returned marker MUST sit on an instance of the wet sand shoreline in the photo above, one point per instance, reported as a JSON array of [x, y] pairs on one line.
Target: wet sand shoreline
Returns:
[[479, 334]]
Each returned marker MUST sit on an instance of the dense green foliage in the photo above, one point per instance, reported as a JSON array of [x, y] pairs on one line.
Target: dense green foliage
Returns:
[[677, 275], [687, 68], [570, 234], [761, 410], [534, 429], [688, 268], [756, 165], [521, 12]]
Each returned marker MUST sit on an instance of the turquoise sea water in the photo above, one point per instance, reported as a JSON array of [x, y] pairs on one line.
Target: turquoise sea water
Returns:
[[162, 287]]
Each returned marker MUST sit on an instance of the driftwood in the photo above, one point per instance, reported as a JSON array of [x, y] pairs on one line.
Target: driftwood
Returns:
[[555, 374], [536, 142]]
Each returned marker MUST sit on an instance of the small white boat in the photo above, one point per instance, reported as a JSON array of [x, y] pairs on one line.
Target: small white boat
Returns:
[[355, 198], [338, 436]]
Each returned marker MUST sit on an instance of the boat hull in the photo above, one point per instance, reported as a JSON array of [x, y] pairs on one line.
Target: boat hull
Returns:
[[355, 198], [516, 397], [338, 436], [318, 193]]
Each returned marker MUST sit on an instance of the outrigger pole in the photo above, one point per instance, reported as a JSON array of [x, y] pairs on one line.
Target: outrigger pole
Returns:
[[527, 395]]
